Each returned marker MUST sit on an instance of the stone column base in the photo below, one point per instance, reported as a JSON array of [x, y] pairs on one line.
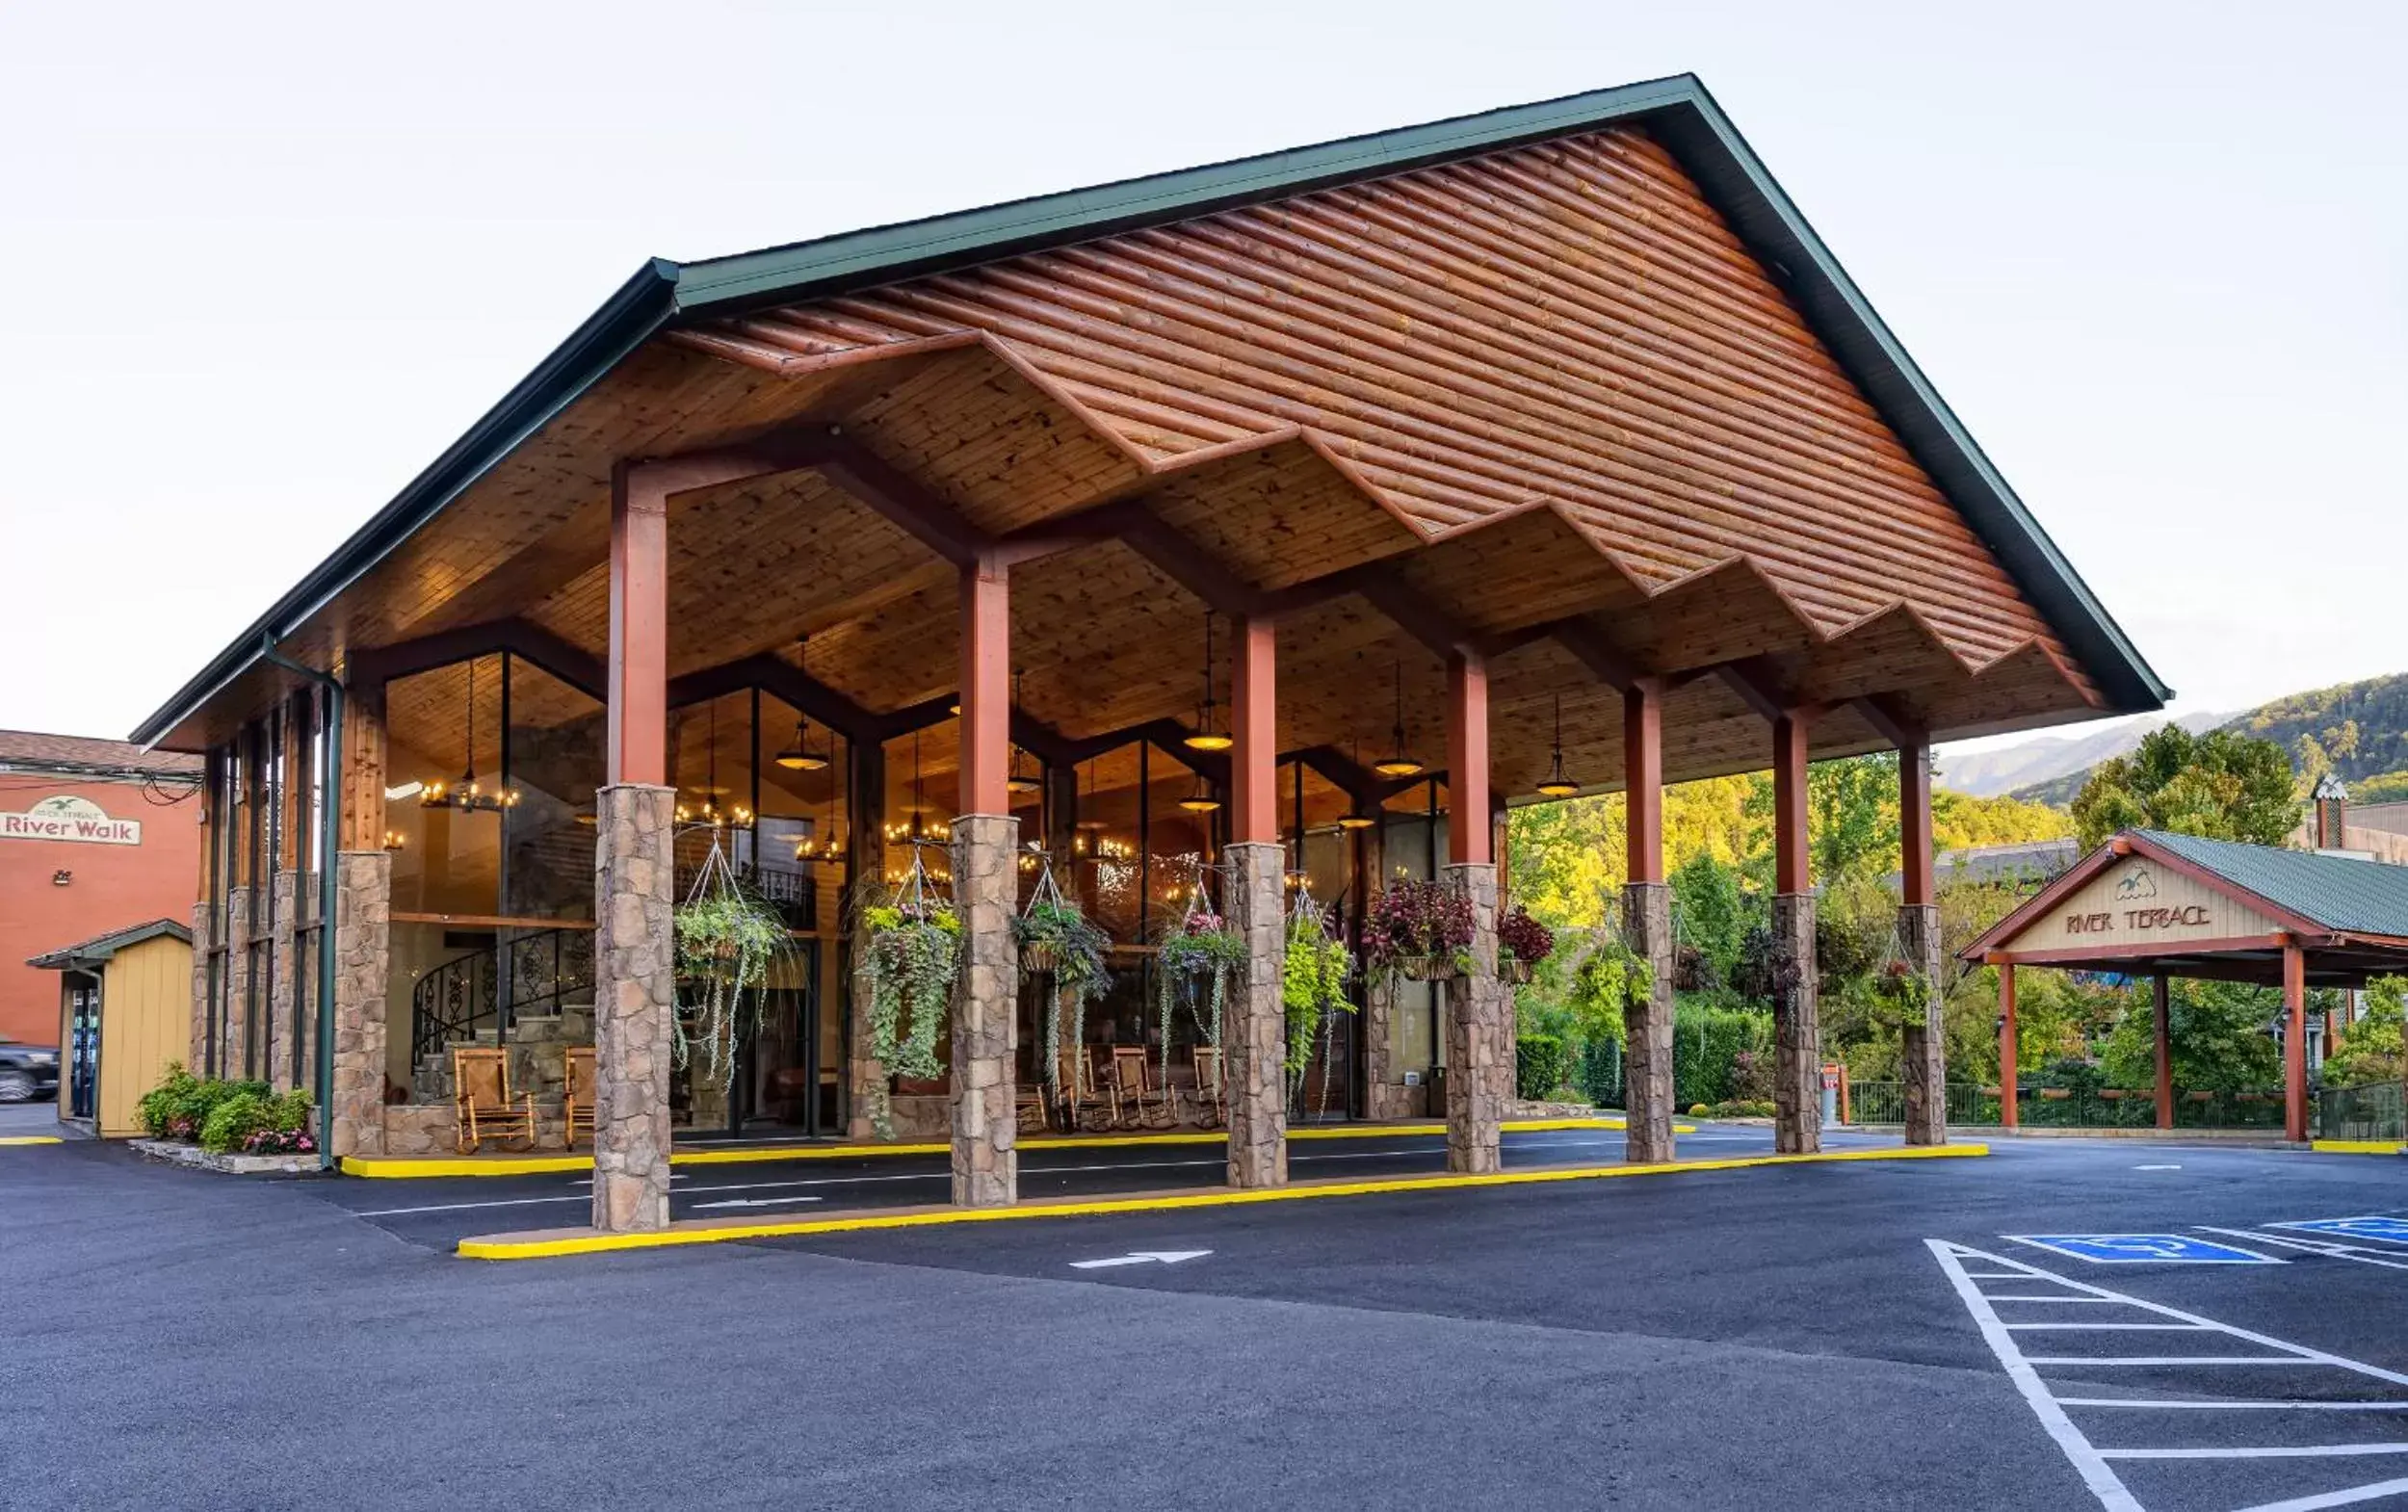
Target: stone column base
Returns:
[[635, 985], [1479, 1081], [1921, 1057], [1647, 1091], [364, 892], [1797, 1059], [986, 1012], [1255, 1042]]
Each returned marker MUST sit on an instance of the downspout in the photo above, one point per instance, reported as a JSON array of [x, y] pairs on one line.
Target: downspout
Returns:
[[330, 817]]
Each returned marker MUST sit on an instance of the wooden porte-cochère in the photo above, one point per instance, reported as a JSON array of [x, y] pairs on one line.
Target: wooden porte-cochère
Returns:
[[2162, 907], [1410, 472]]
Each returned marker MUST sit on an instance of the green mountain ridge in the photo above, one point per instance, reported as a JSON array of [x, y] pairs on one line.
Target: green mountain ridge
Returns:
[[2358, 730]]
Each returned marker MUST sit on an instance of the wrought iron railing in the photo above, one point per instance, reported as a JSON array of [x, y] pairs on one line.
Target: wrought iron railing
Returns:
[[468, 994], [2076, 1107], [2374, 1111]]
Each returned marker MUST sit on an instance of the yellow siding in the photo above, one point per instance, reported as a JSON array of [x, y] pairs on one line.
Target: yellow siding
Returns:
[[145, 1022]]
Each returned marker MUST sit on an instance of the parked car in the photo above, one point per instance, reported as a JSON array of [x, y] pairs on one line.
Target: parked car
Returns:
[[27, 1072]]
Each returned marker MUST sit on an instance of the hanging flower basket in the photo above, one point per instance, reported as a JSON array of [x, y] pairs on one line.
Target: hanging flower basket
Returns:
[[914, 961], [1420, 930], [1196, 965], [1522, 943], [728, 937], [1059, 940], [1514, 970], [1038, 957]]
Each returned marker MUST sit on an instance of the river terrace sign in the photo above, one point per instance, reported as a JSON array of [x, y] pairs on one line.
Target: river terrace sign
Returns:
[[2141, 903], [73, 819]]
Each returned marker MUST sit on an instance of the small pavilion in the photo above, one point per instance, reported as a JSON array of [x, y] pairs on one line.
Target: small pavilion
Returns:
[[2148, 904], [1281, 520]]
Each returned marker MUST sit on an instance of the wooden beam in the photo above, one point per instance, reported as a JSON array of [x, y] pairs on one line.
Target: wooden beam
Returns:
[[1604, 661], [2294, 1042], [1792, 869], [2007, 1110], [1916, 886], [576, 668], [1642, 768], [2161, 1009], [1254, 700], [1467, 758], [903, 501], [1892, 720], [985, 689], [1415, 615], [637, 706], [786, 681]]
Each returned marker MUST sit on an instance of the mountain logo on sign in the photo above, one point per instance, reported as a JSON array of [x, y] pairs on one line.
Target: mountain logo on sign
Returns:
[[2138, 882]]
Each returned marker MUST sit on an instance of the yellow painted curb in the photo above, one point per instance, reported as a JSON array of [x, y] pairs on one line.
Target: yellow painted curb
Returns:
[[33, 1139], [426, 1166], [503, 1247], [2357, 1147]]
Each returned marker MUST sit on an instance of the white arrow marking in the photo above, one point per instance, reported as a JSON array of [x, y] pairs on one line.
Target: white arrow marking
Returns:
[[751, 1202], [1167, 1256]]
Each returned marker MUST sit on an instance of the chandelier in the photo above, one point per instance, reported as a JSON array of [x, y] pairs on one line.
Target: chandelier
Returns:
[[468, 796]]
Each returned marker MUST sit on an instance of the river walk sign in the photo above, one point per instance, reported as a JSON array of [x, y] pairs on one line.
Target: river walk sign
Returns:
[[73, 819]]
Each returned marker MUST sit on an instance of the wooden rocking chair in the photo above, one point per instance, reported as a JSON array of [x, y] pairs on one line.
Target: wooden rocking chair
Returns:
[[1211, 1095], [577, 1096], [1077, 1100], [1136, 1102], [481, 1105]]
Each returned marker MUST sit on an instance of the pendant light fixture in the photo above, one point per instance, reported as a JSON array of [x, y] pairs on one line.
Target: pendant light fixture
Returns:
[[737, 818], [798, 756], [1019, 779], [467, 794], [1401, 763], [1355, 817], [1209, 736], [1200, 798], [1556, 785]]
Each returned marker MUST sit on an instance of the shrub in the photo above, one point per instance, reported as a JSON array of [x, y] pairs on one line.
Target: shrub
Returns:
[[1541, 1064], [158, 1107], [1601, 1072], [1697, 1110], [182, 1104], [236, 1118]]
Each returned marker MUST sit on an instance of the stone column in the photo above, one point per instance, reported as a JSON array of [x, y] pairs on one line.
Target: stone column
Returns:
[[1798, 1060], [1923, 1045], [196, 1057], [363, 894], [1255, 1042], [865, 1075], [1647, 1025], [1479, 1081], [635, 979], [986, 1012], [235, 1031], [284, 895]]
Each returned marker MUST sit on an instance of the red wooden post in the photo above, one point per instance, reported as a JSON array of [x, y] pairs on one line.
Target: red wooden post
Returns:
[[1793, 870], [1916, 886], [1254, 768], [1467, 760], [637, 721], [2295, 1043], [1642, 773], [2008, 1114], [985, 689], [2161, 993]]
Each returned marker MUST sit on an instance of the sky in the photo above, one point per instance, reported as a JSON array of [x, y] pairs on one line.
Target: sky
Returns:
[[265, 262]]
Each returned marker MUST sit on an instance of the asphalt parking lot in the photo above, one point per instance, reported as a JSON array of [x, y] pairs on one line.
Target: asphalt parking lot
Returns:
[[1828, 1336]]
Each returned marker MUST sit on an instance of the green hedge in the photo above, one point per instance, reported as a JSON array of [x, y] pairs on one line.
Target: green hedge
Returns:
[[221, 1115], [1601, 1072], [1707, 1043], [1542, 1064]]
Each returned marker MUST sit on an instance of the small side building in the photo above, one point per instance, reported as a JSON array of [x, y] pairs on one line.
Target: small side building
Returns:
[[126, 1003]]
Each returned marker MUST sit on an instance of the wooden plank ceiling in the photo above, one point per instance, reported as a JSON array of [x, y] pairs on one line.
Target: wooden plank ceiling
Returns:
[[1541, 388]]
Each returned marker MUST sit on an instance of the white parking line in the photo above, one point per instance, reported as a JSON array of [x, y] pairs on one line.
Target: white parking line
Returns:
[[2388, 1260], [2091, 1462]]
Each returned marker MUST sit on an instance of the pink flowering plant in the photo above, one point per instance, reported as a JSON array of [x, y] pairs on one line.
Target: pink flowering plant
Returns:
[[1420, 929], [1522, 943]]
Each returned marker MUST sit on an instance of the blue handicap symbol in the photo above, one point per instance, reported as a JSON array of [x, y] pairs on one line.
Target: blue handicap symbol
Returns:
[[2128, 1249], [2391, 1231]]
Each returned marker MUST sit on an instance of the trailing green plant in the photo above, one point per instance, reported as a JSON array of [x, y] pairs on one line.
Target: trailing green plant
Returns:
[[1197, 961], [1420, 928], [728, 936], [1901, 994], [914, 961], [1312, 980], [1056, 938]]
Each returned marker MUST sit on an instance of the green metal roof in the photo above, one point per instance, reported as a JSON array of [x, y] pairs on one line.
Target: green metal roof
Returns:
[[1678, 111], [98, 950], [2345, 895]]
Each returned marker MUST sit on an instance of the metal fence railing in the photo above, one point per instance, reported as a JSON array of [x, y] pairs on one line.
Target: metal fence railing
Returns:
[[2076, 1107], [2374, 1111]]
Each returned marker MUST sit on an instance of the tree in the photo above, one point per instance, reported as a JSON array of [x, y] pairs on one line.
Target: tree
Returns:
[[2217, 1030], [2370, 1050], [2219, 786], [1713, 915]]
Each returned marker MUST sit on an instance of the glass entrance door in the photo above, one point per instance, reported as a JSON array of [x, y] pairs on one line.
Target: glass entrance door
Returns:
[[785, 1079], [83, 1073]]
